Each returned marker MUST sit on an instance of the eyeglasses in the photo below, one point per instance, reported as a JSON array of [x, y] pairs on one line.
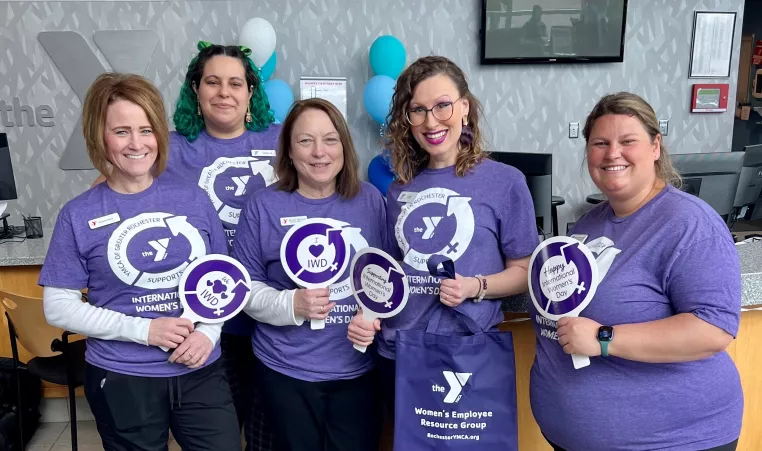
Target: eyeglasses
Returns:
[[442, 111]]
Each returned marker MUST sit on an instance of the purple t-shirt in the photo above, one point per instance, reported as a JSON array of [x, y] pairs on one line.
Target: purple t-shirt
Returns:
[[478, 221], [299, 351], [229, 170], [131, 261], [674, 255]]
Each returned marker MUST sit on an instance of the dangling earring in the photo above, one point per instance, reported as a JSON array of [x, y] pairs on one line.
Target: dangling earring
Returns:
[[198, 108], [248, 114], [466, 134]]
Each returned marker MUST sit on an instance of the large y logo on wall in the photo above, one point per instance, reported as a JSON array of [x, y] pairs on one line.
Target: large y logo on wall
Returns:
[[127, 51]]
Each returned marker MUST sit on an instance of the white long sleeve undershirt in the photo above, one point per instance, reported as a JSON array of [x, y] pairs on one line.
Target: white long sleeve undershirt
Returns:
[[64, 308], [271, 306]]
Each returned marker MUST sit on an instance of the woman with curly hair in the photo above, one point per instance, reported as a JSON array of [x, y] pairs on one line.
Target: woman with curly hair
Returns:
[[225, 142], [449, 200]]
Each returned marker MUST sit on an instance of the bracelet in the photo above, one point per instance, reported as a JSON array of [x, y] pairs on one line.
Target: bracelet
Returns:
[[482, 288]]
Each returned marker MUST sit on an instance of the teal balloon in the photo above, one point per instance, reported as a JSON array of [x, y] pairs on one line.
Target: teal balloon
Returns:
[[377, 97], [269, 68], [280, 96], [387, 56]]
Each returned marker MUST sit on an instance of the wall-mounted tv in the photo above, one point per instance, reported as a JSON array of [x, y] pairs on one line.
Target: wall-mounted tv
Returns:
[[552, 31]]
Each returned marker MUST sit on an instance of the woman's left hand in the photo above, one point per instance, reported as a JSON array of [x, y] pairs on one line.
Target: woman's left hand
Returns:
[[579, 336], [452, 292], [193, 351]]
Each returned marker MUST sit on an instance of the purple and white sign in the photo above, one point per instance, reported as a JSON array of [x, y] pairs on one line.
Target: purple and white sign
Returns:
[[379, 285], [213, 289], [315, 254], [563, 277]]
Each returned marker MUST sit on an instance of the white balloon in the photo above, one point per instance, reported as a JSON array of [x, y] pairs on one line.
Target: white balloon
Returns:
[[258, 35]]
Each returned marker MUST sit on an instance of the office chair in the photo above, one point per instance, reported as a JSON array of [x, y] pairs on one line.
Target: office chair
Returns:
[[57, 358]]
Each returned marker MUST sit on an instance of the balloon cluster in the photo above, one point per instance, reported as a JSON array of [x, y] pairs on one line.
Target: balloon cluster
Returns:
[[387, 59], [259, 35]]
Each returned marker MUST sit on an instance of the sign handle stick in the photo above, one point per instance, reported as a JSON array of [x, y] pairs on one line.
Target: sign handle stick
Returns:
[[317, 324], [166, 349], [580, 361], [368, 319]]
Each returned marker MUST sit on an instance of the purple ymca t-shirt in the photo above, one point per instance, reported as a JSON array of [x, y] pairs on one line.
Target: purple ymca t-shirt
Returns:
[[129, 251], [229, 170], [674, 255], [342, 227], [478, 221]]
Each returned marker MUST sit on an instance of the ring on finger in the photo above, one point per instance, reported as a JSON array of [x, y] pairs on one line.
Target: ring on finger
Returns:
[[321, 309]]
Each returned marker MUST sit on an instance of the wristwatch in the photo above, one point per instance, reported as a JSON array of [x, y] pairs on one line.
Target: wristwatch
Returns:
[[605, 335]]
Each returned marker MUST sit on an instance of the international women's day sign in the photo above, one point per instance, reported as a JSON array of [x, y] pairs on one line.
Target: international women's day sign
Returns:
[[379, 285], [213, 289], [563, 277], [315, 254]]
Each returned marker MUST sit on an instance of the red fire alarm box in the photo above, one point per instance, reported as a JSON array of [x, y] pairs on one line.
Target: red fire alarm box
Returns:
[[709, 98]]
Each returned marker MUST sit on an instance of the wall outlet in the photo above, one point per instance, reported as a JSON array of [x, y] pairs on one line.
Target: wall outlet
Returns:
[[573, 129], [664, 127]]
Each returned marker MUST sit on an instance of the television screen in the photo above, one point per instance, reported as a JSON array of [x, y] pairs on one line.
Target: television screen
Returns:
[[552, 31]]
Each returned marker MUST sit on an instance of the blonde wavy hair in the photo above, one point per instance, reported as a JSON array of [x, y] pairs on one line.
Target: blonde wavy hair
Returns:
[[408, 158]]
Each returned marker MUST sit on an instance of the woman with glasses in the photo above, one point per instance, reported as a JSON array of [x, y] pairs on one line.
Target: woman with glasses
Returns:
[[450, 200]]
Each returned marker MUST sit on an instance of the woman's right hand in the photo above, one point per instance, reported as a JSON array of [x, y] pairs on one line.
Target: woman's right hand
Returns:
[[361, 331], [169, 332], [312, 303]]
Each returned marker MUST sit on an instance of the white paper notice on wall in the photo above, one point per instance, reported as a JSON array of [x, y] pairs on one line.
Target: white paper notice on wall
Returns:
[[332, 89]]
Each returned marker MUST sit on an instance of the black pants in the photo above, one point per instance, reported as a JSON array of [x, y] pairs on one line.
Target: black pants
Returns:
[[729, 447], [239, 359], [386, 371], [340, 415], [135, 413]]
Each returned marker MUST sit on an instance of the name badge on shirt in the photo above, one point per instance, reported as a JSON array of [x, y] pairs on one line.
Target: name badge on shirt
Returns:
[[292, 220], [103, 221], [406, 197], [262, 153]]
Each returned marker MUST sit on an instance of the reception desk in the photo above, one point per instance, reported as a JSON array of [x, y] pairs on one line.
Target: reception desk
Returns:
[[20, 265]]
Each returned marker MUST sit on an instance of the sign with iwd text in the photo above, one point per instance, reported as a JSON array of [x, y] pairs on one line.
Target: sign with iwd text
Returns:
[[314, 254], [563, 277], [379, 285], [213, 289]]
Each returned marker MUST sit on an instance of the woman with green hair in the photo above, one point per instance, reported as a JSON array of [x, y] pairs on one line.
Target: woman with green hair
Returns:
[[225, 142]]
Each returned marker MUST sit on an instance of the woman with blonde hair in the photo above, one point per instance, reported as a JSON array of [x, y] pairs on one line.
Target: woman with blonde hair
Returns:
[[450, 200], [667, 305], [127, 241]]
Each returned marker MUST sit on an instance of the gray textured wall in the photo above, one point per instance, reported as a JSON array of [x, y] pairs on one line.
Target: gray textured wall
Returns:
[[528, 108]]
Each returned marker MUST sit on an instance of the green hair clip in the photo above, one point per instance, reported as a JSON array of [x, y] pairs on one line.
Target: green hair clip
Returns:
[[246, 51], [202, 45]]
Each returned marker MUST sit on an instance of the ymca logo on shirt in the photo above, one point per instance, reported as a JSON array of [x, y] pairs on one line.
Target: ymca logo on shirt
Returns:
[[151, 250], [228, 181], [436, 221]]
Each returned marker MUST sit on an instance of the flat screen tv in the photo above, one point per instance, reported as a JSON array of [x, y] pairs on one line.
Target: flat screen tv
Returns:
[[552, 31]]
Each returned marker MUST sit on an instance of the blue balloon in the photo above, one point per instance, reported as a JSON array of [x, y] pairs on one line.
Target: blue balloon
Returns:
[[380, 174], [281, 98], [269, 68], [387, 56], [377, 97]]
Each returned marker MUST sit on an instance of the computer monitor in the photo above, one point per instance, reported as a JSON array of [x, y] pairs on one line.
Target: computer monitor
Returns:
[[750, 181], [538, 170], [713, 177], [7, 182]]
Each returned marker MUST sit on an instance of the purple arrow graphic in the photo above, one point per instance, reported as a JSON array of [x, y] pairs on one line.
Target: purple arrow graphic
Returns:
[[393, 276], [568, 250], [334, 237]]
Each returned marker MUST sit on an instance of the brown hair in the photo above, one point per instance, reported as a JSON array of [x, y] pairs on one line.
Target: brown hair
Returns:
[[634, 106], [107, 89], [408, 158], [348, 179]]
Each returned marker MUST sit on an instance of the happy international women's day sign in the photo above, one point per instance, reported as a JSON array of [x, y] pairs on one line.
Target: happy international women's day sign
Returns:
[[563, 277]]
